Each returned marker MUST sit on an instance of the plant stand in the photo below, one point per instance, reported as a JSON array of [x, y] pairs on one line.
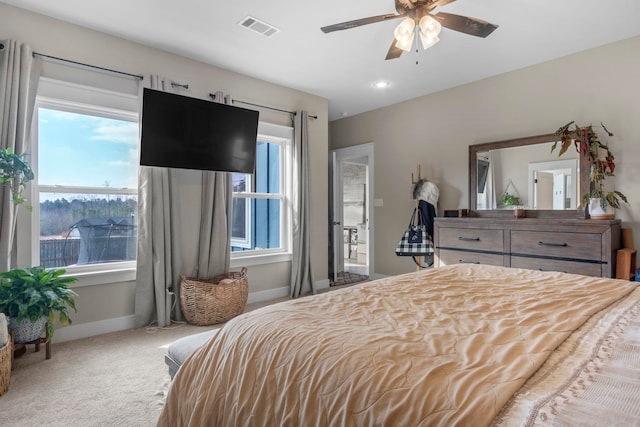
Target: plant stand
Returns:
[[21, 348]]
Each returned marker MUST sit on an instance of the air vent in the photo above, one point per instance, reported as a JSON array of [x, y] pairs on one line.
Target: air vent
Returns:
[[259, 26]]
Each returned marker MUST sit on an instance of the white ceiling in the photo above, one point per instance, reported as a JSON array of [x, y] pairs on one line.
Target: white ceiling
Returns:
[[342, 66]]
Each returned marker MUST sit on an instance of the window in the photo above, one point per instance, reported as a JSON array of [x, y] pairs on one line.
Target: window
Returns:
[[261, 201], [85, 157]]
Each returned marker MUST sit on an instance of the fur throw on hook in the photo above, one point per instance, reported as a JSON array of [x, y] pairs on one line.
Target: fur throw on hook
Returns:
[[427, 191]]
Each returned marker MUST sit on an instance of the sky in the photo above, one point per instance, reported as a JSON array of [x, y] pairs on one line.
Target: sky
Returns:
[[88, 151]]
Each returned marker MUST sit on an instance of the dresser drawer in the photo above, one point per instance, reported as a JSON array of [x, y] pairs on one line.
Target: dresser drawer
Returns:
[[562, 244], [575, 267], [448, 257], [471, 238]]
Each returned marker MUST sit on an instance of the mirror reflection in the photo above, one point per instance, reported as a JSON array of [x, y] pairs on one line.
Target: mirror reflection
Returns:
[[552, 185], [528, 176]]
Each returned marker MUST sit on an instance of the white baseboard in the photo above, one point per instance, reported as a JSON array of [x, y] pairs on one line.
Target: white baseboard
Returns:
[[281, 292], [90, 329], [322, 284], [268, 294]]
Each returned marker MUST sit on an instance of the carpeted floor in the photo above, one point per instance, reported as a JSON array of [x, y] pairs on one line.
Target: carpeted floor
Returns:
[[116, 379]]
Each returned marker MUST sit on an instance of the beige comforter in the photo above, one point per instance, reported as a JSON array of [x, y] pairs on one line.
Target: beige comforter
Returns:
[[446, 346]]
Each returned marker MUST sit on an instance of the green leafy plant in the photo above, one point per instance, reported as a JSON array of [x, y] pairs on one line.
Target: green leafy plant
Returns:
[[602, 161], [35, 292], [15, 173], [510, 200]]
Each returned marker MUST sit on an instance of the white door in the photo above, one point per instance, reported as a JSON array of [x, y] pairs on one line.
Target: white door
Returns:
[[337, 260], [544, 190], [352, 221], [559, 194]]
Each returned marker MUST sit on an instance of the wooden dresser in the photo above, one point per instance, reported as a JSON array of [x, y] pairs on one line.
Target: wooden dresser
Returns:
[[580, 246]]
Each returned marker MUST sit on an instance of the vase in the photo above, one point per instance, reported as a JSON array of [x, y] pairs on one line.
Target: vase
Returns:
[[596, 211], [25, 330]]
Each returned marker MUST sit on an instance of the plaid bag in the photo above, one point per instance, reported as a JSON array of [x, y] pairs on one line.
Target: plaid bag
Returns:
[[415, 241]]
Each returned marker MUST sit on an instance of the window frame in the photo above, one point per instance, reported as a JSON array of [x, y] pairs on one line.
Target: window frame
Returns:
[[70, 97], [283, 136], [248, 224]]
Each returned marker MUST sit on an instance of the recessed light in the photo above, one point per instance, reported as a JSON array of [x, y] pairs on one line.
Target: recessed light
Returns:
[[381, 84], [344, 114]]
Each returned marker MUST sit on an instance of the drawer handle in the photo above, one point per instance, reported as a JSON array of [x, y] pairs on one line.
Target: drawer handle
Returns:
[[542, 269], [469, 239], [552, 244], [461, 261]]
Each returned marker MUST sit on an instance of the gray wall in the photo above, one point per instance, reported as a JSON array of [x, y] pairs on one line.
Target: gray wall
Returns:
[[599, 85], [104, 303]]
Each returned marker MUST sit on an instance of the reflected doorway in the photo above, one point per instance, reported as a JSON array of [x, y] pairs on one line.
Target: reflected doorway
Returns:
[[551, 185]]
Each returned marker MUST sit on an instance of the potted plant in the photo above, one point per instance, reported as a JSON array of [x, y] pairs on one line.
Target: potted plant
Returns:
[[32, 296], [15, 173], [600, 201], [508, 199]]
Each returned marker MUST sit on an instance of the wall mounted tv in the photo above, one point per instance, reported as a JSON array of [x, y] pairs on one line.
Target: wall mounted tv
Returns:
[[188, 133]]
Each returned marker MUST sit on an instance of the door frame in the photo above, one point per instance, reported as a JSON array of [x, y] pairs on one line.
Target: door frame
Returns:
[[336, 212]]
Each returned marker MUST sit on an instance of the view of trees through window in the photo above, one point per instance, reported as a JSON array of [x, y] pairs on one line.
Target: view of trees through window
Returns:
[[87, 229], [58, 216], [87, 211]]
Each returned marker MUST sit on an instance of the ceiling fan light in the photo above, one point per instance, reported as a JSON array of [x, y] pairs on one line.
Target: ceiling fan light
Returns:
[[430, 26], [405, 44], [404, 30], [427, 42]]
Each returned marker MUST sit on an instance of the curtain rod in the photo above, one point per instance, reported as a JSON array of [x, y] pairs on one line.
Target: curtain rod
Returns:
[[88, 65], [213, 96], [137, 76]]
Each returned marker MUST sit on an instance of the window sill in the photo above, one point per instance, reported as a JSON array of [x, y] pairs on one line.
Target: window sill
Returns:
[[119, 275], [249, 260], [104, 277]]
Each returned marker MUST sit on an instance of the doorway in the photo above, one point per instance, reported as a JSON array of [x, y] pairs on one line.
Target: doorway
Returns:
[[351, 214]]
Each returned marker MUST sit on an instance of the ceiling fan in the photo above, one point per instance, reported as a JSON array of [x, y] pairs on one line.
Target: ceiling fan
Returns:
[[420, 20]]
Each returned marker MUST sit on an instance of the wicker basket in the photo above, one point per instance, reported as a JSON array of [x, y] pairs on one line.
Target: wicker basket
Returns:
[[5, 366], [205, 302]]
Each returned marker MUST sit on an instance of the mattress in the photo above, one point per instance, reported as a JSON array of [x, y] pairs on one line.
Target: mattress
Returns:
[[455, 345]]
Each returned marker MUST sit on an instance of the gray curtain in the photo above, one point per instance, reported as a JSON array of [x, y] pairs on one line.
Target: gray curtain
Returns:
[[160, 235], [301, 272], [19, 74], [214, 250], [158, 258]]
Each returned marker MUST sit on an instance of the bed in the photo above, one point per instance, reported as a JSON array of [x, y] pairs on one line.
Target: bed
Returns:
[[456, 345]]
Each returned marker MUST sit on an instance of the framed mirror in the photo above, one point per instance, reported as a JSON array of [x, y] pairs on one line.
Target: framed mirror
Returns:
[[523, 172]]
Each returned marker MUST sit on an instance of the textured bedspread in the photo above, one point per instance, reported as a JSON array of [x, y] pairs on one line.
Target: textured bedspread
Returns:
[[446, 346]]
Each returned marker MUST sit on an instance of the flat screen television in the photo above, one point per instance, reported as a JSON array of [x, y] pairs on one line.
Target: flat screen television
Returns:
[[188, 133]]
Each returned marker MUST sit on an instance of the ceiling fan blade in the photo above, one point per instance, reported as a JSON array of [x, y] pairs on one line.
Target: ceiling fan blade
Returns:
[[359, 22], [394, 51], [465, 24]]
